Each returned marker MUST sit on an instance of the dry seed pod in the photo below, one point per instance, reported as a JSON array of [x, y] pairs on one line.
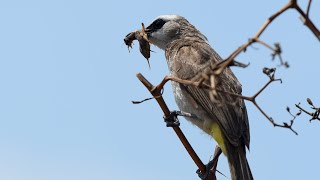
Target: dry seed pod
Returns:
[[309, 101]]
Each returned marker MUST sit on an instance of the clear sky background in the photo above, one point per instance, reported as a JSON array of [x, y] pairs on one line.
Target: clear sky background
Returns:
[[67, 81]]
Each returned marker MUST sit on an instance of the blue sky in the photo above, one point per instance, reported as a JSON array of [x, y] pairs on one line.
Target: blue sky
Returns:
[[67, 81]]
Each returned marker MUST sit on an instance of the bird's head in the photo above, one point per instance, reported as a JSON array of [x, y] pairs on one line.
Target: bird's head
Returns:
[[165, 29]]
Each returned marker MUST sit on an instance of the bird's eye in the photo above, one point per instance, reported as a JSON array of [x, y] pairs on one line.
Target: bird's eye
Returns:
[[158, 24]]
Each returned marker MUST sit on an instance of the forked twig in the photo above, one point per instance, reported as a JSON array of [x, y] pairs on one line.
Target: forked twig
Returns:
[[292, 4], [308, 8], [315, 115], [201, 84]]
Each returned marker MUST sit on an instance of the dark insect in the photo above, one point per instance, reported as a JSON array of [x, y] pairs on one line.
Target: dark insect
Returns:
[[144, 44]]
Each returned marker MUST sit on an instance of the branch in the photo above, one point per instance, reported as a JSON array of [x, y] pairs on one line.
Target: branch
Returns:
[[156, 92], [306, 20], [201, 84], [270, 74], [256, 38], [315, 115]]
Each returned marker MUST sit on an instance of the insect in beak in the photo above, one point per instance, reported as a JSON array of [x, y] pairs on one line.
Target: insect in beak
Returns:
[[142, 37]]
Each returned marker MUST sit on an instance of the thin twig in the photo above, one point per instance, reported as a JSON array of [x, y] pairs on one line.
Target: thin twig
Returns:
[[308, 22], [314, 115], [258, 34], [303, 110], [269, 72], [308, 8], [265, 44], [291, 4]]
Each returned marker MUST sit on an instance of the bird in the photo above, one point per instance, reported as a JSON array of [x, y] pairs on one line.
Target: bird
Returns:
[[188, 53]]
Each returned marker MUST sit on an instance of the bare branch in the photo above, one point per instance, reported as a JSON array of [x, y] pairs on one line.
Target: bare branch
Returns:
[[156, 92], [258, 34], [201, 84], [306, 20], [291, 4], [315, 115]]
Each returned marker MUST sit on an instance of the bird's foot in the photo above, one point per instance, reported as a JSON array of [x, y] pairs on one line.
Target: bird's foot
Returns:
[[205, 175], [211, 167], [172, 120]]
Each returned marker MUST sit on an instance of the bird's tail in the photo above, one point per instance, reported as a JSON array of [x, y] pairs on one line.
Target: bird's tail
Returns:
[[238, 164]]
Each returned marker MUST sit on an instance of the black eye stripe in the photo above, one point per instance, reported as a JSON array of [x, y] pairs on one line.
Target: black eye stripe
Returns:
[[157, 24]]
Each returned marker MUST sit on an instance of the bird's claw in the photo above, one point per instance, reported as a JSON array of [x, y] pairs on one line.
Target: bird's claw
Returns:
[[172, 120], [204, 175], [211, 166]]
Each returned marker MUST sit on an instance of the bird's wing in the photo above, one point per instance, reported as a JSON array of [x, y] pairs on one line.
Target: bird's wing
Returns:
[[230, 112]]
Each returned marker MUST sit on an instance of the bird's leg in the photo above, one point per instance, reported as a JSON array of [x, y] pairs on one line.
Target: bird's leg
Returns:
[[211, 167], [172, 119], [186, 114]]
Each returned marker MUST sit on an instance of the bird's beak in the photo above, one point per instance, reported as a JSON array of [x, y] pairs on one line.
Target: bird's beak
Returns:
[[148, 31]]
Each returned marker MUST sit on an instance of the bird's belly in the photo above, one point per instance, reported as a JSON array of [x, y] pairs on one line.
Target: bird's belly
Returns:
[[187, 104]]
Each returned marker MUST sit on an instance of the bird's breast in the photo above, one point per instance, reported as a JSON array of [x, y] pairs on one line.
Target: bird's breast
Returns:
[[187, 104]]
